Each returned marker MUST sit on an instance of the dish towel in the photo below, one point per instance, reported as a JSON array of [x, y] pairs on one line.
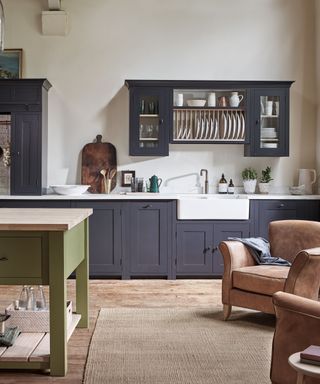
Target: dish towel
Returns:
[[9, 337], [260, 251]]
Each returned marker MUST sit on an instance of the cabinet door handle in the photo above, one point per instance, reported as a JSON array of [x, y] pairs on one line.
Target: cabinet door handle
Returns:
[[214, 249], [206, 250], [3, 258], [160, 121], [147, 206], [281, 205]]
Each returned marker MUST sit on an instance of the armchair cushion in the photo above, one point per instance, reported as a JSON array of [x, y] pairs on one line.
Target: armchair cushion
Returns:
[[263, 279]]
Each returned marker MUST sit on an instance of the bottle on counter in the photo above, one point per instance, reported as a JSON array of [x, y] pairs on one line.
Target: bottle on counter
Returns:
[[231, 187], [223, 185]]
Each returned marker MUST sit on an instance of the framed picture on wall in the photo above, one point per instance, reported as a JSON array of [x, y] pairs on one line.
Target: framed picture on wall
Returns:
[[126, 177], [11, 64]]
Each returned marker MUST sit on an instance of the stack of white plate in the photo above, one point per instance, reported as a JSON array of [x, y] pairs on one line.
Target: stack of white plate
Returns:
[[268, 133]]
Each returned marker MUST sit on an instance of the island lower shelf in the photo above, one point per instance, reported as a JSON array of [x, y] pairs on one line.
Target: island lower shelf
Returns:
[[32, 350]]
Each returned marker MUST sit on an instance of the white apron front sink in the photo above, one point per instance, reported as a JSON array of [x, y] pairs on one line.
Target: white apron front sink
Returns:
[[213, 207]]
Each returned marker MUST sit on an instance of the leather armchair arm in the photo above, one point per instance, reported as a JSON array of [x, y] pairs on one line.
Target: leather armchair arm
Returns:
[[297, 327], [235, 255], [303, 278]]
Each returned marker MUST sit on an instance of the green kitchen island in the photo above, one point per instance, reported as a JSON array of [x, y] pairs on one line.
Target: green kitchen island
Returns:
[[43, 247]]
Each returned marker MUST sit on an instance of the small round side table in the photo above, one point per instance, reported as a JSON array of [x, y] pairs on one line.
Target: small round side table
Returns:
[[303, 369]]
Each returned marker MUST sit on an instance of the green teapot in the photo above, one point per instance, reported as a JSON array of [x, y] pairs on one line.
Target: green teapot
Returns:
[[155, 183]]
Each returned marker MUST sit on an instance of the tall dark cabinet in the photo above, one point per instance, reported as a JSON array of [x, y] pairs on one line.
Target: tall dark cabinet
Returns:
[[25, 102]]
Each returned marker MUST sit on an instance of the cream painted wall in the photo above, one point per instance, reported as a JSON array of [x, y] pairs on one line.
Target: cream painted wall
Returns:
[[111, 40]]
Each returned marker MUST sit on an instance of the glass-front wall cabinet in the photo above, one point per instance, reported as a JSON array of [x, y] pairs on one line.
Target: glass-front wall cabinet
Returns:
[[209, 115], [270, 134], [149, 135]]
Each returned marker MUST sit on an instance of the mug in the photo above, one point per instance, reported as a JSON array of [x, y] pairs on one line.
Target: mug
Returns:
[[212, 99], [222, 101]]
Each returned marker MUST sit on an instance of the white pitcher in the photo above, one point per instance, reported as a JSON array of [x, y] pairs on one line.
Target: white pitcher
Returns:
[[235, 99], [307, 177]]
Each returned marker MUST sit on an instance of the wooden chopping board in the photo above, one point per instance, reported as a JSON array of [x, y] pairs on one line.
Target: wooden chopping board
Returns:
[[97, 156]]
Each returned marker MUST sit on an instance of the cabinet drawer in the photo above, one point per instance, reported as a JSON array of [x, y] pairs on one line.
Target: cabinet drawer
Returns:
[[20, 257], [278, 204]]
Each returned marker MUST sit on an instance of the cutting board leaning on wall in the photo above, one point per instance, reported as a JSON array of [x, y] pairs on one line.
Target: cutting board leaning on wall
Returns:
[[96, 157]]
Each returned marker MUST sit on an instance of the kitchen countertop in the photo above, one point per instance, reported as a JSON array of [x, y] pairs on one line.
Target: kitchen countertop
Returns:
[[156, 196]]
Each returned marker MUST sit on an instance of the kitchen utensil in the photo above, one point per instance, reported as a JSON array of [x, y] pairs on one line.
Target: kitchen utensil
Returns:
[[155, 183], [105, 182], [70, 190], [307, 177], [97, 156]]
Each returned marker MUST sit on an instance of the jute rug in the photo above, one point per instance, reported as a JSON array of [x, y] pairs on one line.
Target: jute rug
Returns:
[[179, 346]]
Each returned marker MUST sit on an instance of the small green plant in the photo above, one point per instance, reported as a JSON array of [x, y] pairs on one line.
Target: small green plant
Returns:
[[266, 175], [249, 174]]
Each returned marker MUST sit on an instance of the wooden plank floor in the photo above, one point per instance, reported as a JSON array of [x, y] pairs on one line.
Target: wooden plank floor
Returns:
[[114, 293]]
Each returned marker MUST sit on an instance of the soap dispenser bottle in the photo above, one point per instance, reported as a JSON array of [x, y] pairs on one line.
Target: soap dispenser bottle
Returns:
[[231, 187], [223, 185]]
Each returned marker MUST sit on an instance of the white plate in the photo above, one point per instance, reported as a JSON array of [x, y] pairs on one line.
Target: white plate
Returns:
[[217, 132], [269, 145], [238, 127], [243, 127], [202, 129], [198, 129], [234, 126], [223, 126], [207, 135], [211, 134]]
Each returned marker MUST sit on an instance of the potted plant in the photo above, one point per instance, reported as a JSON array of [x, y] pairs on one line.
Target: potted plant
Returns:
[[249, 176], [264, 180]]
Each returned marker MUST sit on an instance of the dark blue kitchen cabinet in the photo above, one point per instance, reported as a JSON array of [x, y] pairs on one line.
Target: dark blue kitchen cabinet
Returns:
[[221, 232], [147, 236], [105, 238], [197, 243], [26, 153], [149, 130], [179, 112], [265, 211], [194, 249], [269, 128], [25, 101]]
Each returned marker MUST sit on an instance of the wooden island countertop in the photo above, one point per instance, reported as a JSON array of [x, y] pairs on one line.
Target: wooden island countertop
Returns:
[[42, 219]]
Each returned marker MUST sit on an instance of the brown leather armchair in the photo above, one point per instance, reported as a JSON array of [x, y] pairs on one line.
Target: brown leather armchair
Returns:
[[246, 284], [297, 327]]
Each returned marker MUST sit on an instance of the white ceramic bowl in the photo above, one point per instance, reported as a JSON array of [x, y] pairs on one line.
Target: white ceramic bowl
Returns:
[[70, 190], [299, 190], [196, 102]]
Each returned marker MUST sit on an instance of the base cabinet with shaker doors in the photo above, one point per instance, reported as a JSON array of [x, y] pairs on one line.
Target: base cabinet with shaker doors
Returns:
[[147, 238], [105, 235], [197, 252]]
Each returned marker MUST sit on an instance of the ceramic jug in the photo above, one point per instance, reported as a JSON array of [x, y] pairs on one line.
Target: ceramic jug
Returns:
[[307, 177], [235, 99], [155, 183]]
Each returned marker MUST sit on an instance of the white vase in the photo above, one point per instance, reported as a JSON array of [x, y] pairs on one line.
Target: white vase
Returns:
[[249, 186], [264, 188]]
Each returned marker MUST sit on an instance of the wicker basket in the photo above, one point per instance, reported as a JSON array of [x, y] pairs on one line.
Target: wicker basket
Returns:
[[33, 321]]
